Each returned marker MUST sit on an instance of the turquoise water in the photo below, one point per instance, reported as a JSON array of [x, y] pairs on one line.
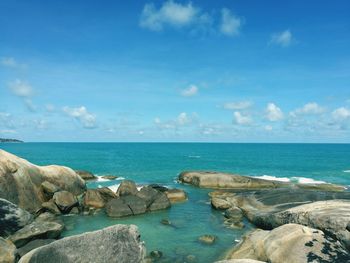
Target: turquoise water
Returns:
[[162, 162]]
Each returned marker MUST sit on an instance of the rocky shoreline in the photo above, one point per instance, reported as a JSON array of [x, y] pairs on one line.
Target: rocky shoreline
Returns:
[[295, 222]]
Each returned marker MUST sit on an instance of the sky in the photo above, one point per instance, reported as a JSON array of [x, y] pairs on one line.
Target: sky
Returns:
[[175, 71]]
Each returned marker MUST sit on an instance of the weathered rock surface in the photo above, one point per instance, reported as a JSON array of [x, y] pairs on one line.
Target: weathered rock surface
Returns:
[[176, 195], [33, 245], [240, 261], [49, 188], [117, 208], [115, 244], [290, 243], [160, 202], [217, 180], [127, 187], [328, 211], [136, 204], [12, 218], [36, 230], [20, 181], [93, 198], [148, 194], [65, 201], [7, 251], [106, 193], [86, 175], [207, 239], [110, 177], [51, 207]]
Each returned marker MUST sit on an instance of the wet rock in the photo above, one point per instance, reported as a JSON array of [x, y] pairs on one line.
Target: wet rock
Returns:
[[65, 201], [217, 180], [117, 208], [7, 251], [12, 218], [51, 207], [116, 244], [156, 254], [176, 195], [20, 181], [234, 213], [110, 177], [160, 202], [86, 175], [33, 245], [290, 243], [207, 239], [36, 230], [165, 221], [220, 204], [148, 194], [127, 187]]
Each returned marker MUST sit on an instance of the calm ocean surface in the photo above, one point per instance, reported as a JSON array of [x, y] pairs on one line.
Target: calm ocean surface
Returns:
[[162, 162]]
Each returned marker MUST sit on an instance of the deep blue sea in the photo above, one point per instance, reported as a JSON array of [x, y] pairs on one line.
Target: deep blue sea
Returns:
[[162, 162]]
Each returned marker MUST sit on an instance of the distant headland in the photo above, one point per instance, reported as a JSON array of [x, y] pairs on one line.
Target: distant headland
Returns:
[[10, 140]]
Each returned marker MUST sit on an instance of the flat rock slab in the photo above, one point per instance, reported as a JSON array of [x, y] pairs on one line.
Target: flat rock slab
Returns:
[[115, 244], [290, 243]]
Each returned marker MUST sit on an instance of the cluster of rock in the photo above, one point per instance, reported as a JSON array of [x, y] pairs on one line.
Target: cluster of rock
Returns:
[[32, 198], [296, 223]]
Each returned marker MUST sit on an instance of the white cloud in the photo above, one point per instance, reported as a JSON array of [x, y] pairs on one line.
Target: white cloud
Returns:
[[10, 62], [190, 91], [230, 24], [88, 120], [49, 107], [341, 114], [283, 39], [309, 108], [241, 119], [6, 120], [20, 88], [183, 119], [273, 113], [170, 13], [238, 105], [29, 105], [268, 128]]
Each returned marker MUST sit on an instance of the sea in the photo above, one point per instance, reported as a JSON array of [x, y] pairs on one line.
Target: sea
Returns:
[[161, 163]]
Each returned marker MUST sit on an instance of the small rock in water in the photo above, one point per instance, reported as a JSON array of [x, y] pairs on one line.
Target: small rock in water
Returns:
[[156, 254], [190, 258], [166, 221], [110, 177], [207, 239]]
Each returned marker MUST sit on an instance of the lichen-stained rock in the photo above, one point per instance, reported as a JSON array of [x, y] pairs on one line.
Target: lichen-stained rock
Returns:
[[115, 244], [65, 201], [290, 243], [12, 218], [7, 251], [20, 181], [36, 230]]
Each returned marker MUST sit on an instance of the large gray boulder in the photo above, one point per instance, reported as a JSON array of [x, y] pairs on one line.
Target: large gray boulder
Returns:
[[21, 181], [115, 244], [148, 194], [12, 218], [161, 201], [36, 230], [217, 180], [127, 187], [7, 251], [290, 243], [126, 206]]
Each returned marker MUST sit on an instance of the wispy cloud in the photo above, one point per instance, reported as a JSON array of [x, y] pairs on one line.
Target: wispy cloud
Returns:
[[283, 39], [11, 62], [23, 90], [273, 112], [230, 24], [81, 114], [239, 118], [238, 105], [192, 90], [310, 108]]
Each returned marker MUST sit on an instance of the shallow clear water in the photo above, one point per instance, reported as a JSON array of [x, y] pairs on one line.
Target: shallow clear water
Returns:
[[162, 162]]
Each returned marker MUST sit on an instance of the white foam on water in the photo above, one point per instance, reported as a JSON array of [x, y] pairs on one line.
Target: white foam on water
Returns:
[[346, 171], [304, 180], [194, 156], [100, 179], [273, 178], [120, 178]]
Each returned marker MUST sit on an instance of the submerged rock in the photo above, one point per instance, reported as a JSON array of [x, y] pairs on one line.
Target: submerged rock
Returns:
[[20, 181], [156, 254], [36, 230], [176, 195], [12, 218], [207, 239], [7, 251], [290, 243], [115, 244], [86, 175]]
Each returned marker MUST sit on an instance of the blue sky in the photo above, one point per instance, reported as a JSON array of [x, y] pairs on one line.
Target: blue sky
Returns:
[[216, 71]]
